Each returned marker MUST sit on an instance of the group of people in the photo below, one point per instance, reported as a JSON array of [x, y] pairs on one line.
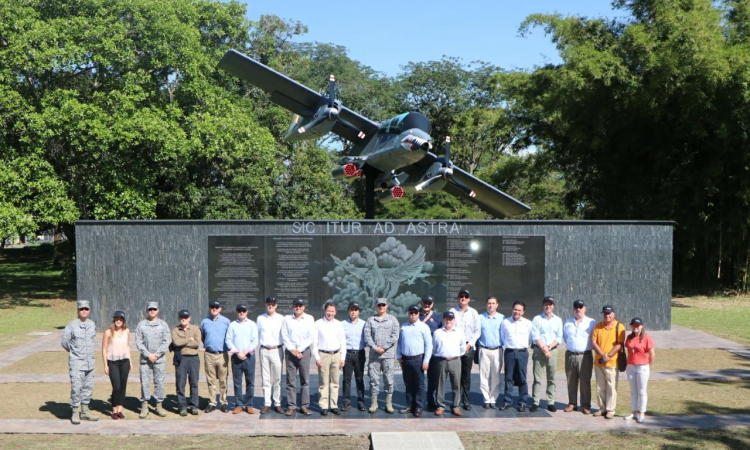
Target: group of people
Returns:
[[429, 347]]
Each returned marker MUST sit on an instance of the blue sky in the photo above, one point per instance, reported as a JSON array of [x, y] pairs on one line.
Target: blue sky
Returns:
[[388, 34]]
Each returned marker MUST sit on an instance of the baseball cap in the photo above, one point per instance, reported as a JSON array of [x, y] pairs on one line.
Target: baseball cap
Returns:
[[382, 301], [241, 307], [578, 304], [270, 299], [183, 313], [464, 291], [449, 315], [298, 301], [354, 305], [607, 309], [549, 299], [428, 299], [636, 321], [118, 315], [214, 304], [414, 308]]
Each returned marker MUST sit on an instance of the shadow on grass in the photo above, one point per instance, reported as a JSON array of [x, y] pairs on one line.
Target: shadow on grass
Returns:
[[63, 410], [29, 275], [690, 439]]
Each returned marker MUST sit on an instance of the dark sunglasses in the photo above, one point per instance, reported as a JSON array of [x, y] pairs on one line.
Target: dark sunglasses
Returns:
[[413, 312], [578, 307], [242, 311], [463, 296], [215, 307], [153, 309], [83, 309]]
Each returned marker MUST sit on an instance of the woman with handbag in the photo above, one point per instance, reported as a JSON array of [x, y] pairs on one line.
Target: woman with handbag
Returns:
[[640, 348]]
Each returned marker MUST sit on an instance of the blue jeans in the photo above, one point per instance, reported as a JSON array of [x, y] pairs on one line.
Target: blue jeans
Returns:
[[246, 367], [515, 367]]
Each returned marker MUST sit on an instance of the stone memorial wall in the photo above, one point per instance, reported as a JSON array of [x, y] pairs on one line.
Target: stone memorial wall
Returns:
[[186, 264]]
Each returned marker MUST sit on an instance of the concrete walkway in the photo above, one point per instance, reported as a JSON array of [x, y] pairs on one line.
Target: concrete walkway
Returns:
[[354, 422]]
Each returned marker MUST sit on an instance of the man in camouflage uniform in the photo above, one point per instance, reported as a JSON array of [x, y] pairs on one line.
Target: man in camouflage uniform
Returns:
[[152, 337], [78, 340], [381, 335]]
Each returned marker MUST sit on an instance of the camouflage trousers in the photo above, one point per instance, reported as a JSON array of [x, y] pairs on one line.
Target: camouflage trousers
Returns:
[[156, 373], [81, 386], [384, 366]]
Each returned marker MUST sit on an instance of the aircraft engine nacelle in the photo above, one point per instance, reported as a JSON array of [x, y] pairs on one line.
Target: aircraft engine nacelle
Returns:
[[349, 171], [394, 193]]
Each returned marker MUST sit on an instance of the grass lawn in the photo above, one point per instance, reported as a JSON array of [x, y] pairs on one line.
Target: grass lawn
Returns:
[[33, 294], [688, 397], [724, 316], [52, 400], [207, 442], [732, 438]]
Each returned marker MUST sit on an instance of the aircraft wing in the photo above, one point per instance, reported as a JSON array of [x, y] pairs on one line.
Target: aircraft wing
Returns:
[[488, 198], [290, 94]]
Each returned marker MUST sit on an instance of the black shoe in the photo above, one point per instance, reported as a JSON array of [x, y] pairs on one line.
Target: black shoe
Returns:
[[521, 408], [431, 407], [346, 407], [193, 410], [492, 406], [224, 408], [534, 408], [335, 411], [486, 406], [505, 407], [323, 412], [418, 413], [306, 412], [209, 408], [404, 410], [361, 406], [279, 409], [551, 408], [467, 407]]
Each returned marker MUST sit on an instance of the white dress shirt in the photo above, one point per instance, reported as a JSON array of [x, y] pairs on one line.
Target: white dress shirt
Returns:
[[269, 329], [449, 344], [516, 334], [329, 336], [470, 322], [297, 334]]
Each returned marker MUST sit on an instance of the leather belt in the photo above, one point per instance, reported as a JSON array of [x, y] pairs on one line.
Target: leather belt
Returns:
[[271, 348], [490, 348], [447, 359], [330, 352], [517, 350], [354, 352], [214, 353], [574, 353], [409, 358]]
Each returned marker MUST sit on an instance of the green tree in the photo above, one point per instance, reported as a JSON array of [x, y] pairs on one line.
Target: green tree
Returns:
[[647, 118]]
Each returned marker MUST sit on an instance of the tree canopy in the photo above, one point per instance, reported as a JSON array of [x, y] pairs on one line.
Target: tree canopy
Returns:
[[114, 109]]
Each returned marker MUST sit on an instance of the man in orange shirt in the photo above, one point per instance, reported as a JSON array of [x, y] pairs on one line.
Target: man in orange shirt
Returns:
[[606, 340]]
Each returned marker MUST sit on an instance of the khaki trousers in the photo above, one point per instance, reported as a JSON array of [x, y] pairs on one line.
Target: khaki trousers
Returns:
[[544, 367], [490, 362], [217, 369], [328, 376], [606, 387], [270, 374]]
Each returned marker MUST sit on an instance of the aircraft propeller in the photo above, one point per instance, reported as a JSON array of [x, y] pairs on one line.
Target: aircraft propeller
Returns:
[[446, 173], [331, 113]]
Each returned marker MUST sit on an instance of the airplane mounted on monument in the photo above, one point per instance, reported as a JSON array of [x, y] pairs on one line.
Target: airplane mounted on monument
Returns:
[[393, 156]]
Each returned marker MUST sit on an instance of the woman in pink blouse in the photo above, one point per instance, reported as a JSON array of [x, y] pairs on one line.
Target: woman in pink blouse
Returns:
[[116, 356], [640, 348]]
